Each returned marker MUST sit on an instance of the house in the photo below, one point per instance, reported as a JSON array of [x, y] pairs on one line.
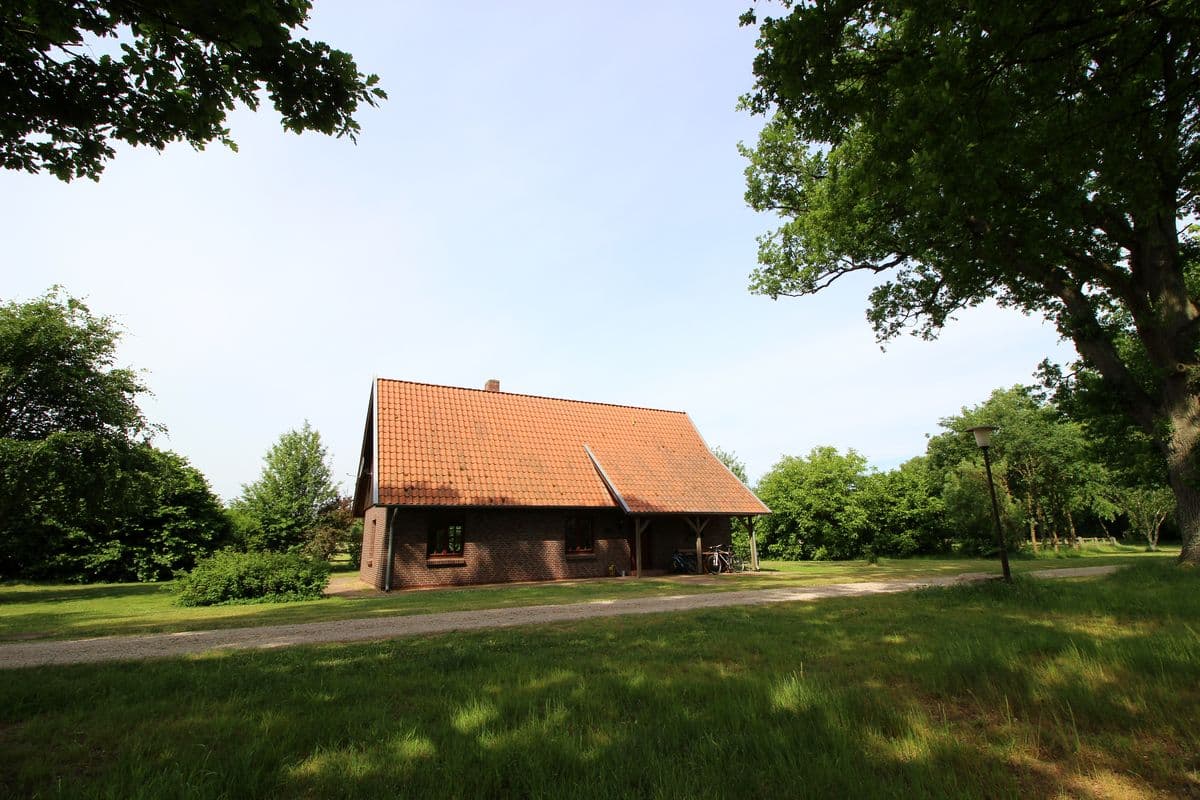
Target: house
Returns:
[[459, 486]]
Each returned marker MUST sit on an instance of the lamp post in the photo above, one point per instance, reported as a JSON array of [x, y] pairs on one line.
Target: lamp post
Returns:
[[983, 438]]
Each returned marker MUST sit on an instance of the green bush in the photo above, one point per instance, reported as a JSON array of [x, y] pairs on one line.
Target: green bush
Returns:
[[231, 577]]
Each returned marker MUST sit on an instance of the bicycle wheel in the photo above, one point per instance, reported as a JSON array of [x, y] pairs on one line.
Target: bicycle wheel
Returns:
[[737, 564], [714, 563]]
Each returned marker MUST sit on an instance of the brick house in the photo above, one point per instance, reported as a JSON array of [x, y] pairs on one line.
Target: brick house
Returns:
[[459, 486]]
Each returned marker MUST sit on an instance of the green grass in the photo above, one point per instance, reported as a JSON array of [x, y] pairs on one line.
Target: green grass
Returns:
[[42, 611], [1080, 688]]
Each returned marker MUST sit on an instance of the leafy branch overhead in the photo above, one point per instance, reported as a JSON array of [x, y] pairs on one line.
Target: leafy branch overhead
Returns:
[[1042, 155], [78, 75]]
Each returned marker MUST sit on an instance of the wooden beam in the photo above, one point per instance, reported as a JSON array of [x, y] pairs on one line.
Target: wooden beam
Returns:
[[639, 525], [698, 524], [753, 544]]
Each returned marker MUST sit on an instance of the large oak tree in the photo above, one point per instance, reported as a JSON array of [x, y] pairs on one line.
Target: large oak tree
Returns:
[[1041, 154], [173, 71]]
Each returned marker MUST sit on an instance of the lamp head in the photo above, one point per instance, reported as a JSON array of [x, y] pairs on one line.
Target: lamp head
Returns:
[[983, 435]]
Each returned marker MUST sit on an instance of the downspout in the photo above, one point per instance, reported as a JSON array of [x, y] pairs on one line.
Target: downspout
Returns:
[[391, 540]]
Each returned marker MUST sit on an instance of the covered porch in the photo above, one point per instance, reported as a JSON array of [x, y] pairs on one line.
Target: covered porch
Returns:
[[655, 537]]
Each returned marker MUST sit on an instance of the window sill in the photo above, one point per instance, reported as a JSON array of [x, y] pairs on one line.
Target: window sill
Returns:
[[445, 561], [581, 556]]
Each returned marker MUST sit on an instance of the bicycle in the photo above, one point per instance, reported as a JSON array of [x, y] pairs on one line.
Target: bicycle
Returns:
[[722, 559], [684, 562]]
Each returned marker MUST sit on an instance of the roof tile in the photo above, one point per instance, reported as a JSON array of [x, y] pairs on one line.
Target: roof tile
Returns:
[[444, 445]]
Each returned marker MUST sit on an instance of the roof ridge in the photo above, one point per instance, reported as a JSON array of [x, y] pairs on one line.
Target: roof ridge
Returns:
[[535, 396]]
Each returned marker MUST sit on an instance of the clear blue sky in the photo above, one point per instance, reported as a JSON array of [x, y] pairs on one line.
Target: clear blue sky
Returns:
[[552, 196]]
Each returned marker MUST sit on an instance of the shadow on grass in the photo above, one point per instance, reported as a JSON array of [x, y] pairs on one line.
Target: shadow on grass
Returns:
[[28, 592], [1035, 689]]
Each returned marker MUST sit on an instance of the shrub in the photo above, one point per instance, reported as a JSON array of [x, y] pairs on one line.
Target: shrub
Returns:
[[230, 577]]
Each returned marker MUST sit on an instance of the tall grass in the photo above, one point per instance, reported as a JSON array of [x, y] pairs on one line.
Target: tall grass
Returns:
[[1072, 688]]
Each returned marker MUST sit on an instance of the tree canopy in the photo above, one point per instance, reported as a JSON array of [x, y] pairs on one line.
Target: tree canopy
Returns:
[[83, 495], [1044, 155], [281, 510], [175, 70], [57, 373]]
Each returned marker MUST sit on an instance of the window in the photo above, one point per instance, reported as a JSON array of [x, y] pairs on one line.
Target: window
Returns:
[[579, 536], [446, 537]]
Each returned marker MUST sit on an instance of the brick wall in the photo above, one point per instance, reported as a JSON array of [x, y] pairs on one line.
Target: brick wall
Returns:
[[374, 551], [501, 545]]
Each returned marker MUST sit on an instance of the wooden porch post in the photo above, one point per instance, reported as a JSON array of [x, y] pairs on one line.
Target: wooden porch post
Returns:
[[639, 525], [753, 544], [698, 527]]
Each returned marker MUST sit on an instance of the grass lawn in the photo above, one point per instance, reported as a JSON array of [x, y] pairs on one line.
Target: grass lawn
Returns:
[[1067, 688], [63, 611]]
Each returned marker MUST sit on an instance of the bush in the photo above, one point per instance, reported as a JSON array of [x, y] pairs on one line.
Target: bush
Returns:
[[230, 577]]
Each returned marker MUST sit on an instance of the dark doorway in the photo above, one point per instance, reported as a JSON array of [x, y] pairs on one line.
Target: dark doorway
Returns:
[[647, 548]]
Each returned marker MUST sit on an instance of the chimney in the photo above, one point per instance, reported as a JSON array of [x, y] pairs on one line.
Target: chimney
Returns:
[[492, 385]]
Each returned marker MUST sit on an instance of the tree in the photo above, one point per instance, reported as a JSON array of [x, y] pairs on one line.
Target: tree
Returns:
[[814, 510], [905, 510], [83, 495], [969, 512], [336, 531], [1043, 155], [57, 374], [1042, 459], [1147, 509], [181, 67], [284, 505], [78, 506]]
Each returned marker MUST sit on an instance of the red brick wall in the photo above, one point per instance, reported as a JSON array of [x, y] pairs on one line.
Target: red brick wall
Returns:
[[374, 551], [501, 545]]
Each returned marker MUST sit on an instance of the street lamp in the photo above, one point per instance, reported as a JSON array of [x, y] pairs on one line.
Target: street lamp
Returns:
[[983, 438]]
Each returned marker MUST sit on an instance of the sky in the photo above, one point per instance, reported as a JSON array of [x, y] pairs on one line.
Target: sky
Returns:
[[551, 196]]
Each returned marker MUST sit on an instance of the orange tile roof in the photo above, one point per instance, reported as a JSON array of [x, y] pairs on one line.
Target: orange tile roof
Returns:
[[447, 446]]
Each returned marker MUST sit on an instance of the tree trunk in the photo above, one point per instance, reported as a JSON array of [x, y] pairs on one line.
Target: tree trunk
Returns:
[[1074, 535], [1187, 514], [1032, 523], [1181, 451], [1047, 525]]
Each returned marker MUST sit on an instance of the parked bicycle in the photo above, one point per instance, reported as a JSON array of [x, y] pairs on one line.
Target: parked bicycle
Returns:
[[683, 561], [722, 559]]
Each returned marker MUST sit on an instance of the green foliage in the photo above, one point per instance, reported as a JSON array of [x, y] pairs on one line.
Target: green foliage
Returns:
[[83, 496], [87, 507], [1042, 155], [828, 506], [230, 577], [1147, 508], [181, 67], [969, 511], [815, 510], [57, 374], [905, 511], [1041, 460], [336, 531], [282, 509]]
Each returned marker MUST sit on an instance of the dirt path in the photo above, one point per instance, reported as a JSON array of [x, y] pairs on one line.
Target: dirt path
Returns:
[[168, 645]]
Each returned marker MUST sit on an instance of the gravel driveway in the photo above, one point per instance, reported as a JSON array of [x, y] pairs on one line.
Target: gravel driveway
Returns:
[[169, 645]]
